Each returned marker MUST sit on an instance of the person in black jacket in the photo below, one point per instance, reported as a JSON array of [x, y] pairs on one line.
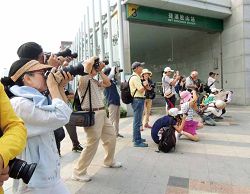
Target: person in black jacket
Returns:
[[150, 95]]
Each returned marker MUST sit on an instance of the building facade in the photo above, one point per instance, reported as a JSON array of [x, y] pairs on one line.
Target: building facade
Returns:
[[202, 35]]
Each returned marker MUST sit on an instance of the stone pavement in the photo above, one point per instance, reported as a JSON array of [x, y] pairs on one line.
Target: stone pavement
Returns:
[[218, 163]]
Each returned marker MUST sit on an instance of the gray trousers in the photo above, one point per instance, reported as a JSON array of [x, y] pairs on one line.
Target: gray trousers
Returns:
[[114, 116]]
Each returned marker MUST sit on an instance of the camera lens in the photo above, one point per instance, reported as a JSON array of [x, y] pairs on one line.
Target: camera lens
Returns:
[[72, 69], [20, 169], [75, 69]]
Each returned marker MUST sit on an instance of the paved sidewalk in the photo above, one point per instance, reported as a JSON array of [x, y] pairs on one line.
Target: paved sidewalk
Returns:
[[218, 163]]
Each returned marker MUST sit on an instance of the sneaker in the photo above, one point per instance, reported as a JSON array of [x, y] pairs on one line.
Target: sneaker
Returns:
[[78, 148], [119, 135], [142, 140], [81, 178], [114, 165], [142, 145]]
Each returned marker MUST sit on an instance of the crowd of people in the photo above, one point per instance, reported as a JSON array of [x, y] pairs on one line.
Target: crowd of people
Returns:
[[36, 103]]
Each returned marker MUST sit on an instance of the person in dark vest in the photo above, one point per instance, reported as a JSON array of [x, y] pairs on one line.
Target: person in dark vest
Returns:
[[112, 98]]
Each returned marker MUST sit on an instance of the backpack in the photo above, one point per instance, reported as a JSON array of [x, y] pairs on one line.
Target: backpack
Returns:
[[207, 88], [125, 92], [168, 139]]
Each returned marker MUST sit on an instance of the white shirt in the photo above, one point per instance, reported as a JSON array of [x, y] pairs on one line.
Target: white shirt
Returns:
[[186, 109], [210, 81], [41, 145], [166, 81], [212, 110]]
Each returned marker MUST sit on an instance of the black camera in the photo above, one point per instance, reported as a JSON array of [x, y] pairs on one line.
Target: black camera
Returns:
[[118, 70], [66, 53], [72, 69], [98, 62], [152, 85], [20, 169]]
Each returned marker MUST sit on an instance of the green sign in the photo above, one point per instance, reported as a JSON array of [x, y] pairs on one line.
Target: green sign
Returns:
[[156, 16]]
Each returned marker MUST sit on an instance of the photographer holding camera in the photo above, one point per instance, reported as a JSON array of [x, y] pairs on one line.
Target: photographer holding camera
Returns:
[[168, 85], [102, 129], [191, 81], [13, 136], [212, 79], [112, 97], [43, 106], [60, 60]]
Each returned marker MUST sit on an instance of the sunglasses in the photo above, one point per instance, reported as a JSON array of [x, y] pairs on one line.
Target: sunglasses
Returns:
[[41, 72]]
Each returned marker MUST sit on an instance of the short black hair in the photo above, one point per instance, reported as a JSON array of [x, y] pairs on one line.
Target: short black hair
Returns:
[[30, 50], [211, 73]]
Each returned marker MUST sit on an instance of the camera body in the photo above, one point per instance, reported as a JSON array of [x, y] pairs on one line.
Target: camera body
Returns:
[[98, 62], [66, 53], [118, 70]]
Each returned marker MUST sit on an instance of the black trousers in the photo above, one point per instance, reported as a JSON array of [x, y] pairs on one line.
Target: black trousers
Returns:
[[59, 136], [71, 129]]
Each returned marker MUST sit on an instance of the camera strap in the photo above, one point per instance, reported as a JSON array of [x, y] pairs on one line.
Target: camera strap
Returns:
[[88, 88]]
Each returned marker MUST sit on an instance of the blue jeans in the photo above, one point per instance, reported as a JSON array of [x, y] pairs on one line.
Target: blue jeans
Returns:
[[138, 106]]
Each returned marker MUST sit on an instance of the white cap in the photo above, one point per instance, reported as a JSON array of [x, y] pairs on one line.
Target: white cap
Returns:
[[174, 112], [167, 69]]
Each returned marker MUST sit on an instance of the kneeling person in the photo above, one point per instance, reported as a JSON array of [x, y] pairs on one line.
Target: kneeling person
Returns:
[[171, 119]]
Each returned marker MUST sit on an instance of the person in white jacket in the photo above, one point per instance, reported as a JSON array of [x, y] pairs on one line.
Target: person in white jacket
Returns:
[[42, 105], [213, 109]]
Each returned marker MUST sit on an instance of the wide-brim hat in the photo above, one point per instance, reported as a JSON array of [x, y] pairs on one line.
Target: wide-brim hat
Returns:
[[32, 65], [145, 71], [185, 96]]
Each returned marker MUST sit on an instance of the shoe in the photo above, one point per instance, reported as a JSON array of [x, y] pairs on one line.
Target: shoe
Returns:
[[114, 165], [147, 126], [81, 178], [141, 145], [142, 140], [78, 148], [119, 135]]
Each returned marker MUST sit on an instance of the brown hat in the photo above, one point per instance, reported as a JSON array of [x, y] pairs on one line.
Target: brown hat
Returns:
[[32, 65]]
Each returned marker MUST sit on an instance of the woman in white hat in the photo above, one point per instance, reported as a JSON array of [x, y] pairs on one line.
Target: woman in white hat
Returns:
[[149, 94]]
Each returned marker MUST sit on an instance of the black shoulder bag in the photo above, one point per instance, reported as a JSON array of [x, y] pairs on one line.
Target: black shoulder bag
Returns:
[[79, 117]]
